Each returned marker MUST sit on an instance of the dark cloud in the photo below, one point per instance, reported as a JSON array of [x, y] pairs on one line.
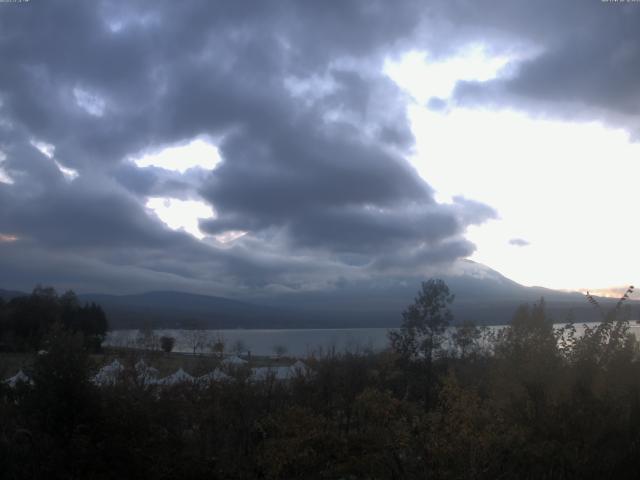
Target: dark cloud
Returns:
[[326, 191], [580, 60], [437, 104], [518, 242], [313, 139]]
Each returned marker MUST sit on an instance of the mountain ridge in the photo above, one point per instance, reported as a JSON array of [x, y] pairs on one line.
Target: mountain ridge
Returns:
[[483, 295]]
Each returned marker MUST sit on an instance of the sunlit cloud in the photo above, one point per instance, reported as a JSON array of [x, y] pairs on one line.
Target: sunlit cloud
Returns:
[[48, 150], [611, 292], [119, 22], [230, 236], [69, 173], [197, 153], [90, 102], [4, 176], [6, 238], [181, 214], [424, 78]]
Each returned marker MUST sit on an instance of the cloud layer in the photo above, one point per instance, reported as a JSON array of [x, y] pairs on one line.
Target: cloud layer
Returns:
[[313, 137]]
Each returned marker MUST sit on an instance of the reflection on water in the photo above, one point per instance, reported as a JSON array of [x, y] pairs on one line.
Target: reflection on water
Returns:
[[298, 342]]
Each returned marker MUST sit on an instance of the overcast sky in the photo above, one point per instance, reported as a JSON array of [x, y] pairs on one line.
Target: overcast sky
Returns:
[[242, 148]]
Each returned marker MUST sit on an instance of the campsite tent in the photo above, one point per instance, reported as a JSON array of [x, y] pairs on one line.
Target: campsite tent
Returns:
[[145, 373], [178, 377], [234, 360], [108, 375], [19, 377], [299, 368]]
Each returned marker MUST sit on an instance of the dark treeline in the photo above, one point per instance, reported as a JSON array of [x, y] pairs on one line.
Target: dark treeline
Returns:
[[25, 320], [528, 402]]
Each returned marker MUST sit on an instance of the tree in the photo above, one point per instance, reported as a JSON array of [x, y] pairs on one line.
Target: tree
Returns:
[[147, 338], [466, 337], [607, 342], [167, 343], [196, 339], [424, 322], [3, 320], [218, 346], [63, 397], [530, 335], [239, 346], [421, 335], [279, 350], [27, 319]]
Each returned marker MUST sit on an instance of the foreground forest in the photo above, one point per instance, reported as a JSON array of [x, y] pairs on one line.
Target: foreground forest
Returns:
[[525, 402]]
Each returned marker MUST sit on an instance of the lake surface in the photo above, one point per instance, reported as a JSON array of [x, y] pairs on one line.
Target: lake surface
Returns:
[[298, 342], [295, 342]]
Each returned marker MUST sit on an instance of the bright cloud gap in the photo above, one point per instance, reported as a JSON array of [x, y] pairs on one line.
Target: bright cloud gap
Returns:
[[425, 79], [181, 214], [185, 215], [199, 152], [525, 163]]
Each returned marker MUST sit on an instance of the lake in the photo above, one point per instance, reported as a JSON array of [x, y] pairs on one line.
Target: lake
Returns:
[[295, 342]]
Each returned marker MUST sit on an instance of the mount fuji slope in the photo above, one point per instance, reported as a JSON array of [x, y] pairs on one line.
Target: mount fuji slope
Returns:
[[482, 295]]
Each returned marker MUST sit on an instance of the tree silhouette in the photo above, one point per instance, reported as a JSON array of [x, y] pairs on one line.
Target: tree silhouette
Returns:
[[424, 322], [167, 343], [421, 336]]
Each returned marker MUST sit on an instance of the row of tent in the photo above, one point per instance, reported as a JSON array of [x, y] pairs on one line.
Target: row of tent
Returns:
[[109, 374]]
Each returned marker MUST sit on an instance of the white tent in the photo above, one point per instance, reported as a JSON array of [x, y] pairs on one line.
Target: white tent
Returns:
[[299, 368], [234, 360], [178, 377], [145, 373], [108, 375], [19, 377]]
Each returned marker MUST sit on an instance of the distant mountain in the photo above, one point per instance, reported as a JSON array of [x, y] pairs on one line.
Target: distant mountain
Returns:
[[485, 296], [185, 310], [9, 294], [482, 295]]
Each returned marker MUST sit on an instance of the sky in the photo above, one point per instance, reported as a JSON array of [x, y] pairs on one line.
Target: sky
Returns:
[[264, 148]]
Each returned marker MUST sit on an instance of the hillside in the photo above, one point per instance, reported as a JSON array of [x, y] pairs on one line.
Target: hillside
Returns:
[[482, 295]]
